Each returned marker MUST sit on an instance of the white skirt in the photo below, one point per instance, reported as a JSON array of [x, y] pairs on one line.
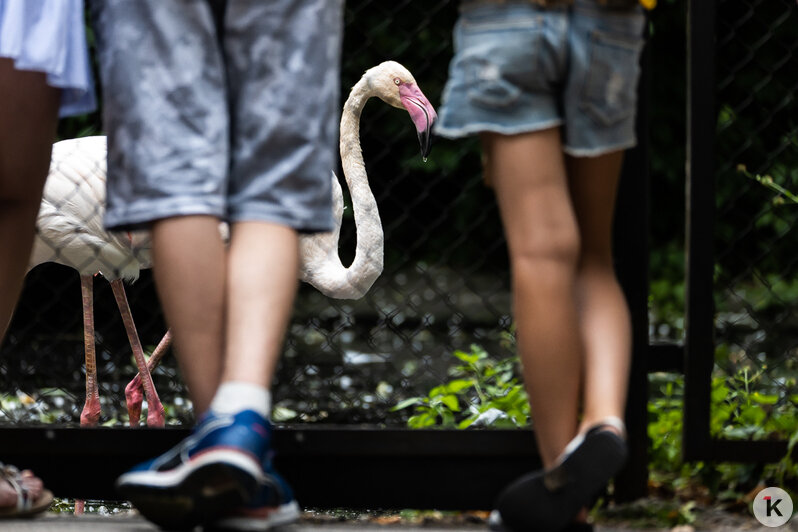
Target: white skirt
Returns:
[[49, 36]]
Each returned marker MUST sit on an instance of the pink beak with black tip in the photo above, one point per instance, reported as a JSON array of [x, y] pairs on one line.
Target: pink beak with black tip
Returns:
[[421, 112]]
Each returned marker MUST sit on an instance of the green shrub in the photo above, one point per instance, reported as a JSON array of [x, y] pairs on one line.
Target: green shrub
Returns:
[[484, 391]]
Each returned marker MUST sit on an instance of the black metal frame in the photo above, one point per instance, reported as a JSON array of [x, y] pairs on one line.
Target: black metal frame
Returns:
[[700, 182], [631, 253], [699, 348], [328, 466]]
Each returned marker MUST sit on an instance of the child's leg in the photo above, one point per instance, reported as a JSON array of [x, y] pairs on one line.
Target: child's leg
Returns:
[[528, 174], [604, 315], [223, 464], [600, 329], [28, 118], [189, 267], [262, 267]]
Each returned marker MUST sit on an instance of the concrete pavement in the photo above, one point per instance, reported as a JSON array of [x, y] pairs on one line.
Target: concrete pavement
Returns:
[[711, 521], [135, 523]]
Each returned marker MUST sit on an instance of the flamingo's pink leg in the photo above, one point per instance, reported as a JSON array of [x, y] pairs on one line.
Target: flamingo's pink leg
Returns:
[[91, 409], [155, 415], [134, 393]]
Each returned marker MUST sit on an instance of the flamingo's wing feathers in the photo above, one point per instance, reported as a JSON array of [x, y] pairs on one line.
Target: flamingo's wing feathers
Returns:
[[70, 223]]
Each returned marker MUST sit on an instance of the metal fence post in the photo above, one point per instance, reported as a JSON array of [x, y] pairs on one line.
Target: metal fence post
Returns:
[[700, 190], [632, 256]]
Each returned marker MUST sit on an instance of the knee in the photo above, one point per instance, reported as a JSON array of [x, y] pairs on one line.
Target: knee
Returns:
[[547, 251]]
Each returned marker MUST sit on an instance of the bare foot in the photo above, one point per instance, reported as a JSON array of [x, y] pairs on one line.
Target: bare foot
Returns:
[[27, 481]]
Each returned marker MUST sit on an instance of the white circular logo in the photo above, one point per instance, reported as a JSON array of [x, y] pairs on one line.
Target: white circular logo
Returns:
[[772, 507]]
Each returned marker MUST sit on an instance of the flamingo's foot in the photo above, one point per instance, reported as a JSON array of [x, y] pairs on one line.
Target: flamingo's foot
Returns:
[[156, 416], [134, 397], [90, 415]]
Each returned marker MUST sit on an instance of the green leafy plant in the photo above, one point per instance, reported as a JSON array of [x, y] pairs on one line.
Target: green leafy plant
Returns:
[[743, 407], [482, 391]]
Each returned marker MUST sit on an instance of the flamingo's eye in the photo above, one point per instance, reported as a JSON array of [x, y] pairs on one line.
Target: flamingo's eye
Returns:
[[397, 81]]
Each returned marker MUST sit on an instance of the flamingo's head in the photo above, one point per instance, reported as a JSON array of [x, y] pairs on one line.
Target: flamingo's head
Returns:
[[395, 85]]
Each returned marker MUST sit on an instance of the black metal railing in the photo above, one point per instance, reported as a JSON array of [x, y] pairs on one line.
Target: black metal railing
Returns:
[[742, 312]]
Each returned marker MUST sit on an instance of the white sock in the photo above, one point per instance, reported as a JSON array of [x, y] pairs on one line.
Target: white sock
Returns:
[[234, 396]]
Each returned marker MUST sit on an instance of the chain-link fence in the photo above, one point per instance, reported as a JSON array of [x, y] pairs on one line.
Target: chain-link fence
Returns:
[[444, 285], [756, 259]]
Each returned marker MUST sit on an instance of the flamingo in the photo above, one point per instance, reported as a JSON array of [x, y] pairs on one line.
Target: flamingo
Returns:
[[321, 265], [70, 230]]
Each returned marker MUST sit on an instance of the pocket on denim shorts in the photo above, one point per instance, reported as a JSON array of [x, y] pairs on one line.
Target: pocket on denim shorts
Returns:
[[610, 92], [499, 56]]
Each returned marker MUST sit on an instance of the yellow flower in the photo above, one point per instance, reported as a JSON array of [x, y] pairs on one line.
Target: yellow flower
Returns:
[[648, 4]]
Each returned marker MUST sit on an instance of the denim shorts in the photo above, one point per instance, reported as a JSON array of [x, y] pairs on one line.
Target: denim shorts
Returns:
[[519, 68], [232, 114]]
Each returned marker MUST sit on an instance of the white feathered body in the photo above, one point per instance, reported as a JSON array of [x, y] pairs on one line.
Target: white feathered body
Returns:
[[70, 231], [69, 228]]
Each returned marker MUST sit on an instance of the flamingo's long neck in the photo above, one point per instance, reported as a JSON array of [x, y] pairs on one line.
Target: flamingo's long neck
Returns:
[[321, 263], [368, 262]]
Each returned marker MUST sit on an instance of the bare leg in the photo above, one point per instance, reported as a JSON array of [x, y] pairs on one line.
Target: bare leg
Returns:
[[189, 268], [155, 412], [261, 285], [604, 315], [528, 174], [134, 392], [600, 327], [28, 118]]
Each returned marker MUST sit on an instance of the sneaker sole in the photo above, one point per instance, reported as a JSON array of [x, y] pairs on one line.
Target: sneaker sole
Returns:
[[284, 515], [196, 493]]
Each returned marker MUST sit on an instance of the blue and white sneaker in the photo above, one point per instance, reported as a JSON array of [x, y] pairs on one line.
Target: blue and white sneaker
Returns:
[[216, 468], [273, 506]]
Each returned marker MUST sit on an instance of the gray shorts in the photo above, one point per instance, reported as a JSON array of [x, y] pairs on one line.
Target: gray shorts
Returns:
[[231, 114], [519, 68]]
